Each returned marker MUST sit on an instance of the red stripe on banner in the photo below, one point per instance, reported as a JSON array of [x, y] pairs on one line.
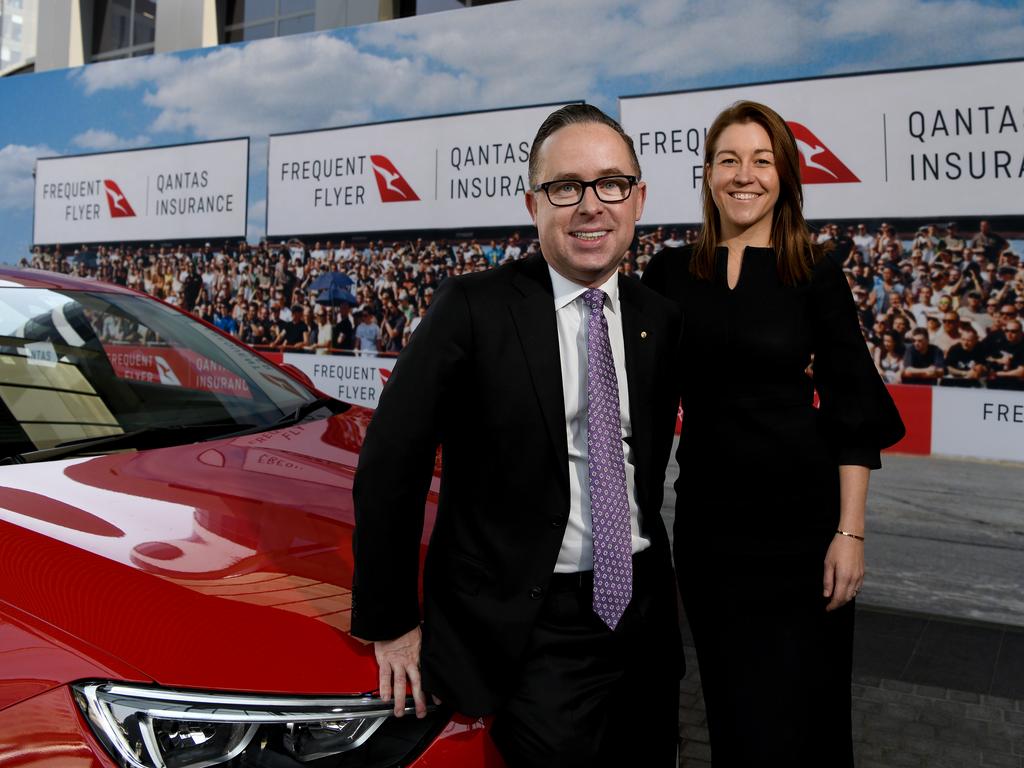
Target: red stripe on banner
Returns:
[[274, 357], [915, 406]]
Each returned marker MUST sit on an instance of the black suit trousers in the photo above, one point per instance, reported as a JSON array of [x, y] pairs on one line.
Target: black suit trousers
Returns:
[[590, 696]]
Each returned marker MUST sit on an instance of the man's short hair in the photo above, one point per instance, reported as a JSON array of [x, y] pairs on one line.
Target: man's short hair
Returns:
[[920, 333], [575, 114]]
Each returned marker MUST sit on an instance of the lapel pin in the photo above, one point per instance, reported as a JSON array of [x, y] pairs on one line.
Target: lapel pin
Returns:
[[643, 334]]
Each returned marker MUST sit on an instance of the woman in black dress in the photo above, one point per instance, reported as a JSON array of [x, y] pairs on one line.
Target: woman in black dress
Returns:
[[769, 531]]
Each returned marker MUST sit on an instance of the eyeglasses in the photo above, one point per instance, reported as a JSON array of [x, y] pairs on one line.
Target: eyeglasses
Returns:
[[566, 192]]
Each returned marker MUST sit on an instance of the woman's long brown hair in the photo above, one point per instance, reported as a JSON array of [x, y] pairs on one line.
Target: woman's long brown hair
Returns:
[[791, 238]]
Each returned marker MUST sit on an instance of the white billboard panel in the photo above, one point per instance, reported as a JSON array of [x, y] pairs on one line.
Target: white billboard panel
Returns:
[[444, 172], [174, 193], [935, 142], [981, 423], [357, 380]]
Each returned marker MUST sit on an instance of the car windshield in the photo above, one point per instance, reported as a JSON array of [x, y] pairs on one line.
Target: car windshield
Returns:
[[76, 365]]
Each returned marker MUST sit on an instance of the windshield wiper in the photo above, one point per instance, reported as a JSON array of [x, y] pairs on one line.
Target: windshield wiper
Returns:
[[307, 409], [136, 438]]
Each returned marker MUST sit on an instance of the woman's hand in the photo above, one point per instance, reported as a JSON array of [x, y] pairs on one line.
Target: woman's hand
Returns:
[[844, 570]]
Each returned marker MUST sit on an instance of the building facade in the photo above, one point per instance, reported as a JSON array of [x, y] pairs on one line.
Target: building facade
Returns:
[[70, 33]]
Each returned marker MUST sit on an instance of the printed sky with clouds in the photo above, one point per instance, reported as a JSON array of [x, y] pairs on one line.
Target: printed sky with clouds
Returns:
[[510, 54]]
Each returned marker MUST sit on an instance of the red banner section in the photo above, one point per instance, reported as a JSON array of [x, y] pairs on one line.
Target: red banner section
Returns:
[[915, 407], [175, 367]]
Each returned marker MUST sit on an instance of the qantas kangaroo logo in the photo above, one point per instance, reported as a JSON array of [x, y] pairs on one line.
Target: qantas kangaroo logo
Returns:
[[119, 205], [817, 163], [391, 184]]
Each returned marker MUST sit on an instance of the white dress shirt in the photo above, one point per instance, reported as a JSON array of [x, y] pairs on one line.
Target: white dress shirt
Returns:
[[577, 553]]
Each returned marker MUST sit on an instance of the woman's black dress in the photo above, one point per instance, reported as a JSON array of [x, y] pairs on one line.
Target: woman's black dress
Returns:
[[757, 500]]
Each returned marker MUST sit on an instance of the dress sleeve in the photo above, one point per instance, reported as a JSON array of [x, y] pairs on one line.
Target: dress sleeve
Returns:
[[859, 415]]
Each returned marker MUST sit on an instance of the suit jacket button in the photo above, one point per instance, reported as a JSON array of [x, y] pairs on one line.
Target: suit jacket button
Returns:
[[536, 592]]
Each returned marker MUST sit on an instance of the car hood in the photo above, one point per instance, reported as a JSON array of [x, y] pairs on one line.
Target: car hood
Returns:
[[218, 565]]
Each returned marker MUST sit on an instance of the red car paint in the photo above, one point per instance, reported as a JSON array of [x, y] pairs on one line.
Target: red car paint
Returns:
[[224, 565]]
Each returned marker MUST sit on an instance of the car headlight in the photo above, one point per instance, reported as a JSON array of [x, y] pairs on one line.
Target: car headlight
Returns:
[[149, 727]]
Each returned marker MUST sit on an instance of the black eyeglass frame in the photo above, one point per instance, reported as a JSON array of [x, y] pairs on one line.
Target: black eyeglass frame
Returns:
[[584, 185]]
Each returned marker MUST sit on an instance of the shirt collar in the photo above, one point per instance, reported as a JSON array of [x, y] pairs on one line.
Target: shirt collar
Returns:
[[566, 291]]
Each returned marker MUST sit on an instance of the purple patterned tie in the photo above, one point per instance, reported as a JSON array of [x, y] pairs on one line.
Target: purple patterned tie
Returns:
[[609, 507]]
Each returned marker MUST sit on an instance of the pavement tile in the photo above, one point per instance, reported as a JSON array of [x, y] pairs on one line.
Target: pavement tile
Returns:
[[981, 712], [900, 712], [998, 701], [938, 717], [692, 717], [692, 749], [932, 691], [866, 706], [899, 758], [897, 685], [970, 697], [999, 760], [1008, 675], [1013, 716], [881, 656], [954, 655]]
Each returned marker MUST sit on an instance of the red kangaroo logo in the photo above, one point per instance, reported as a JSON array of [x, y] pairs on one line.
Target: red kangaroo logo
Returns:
[[817, 163], [119, 205], [392, 185]]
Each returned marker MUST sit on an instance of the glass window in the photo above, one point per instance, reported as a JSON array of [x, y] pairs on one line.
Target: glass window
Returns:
[[259, 19], [433, 6], [111, 25], [296, 25], [258, 31], [289, 7], [76, 365], [242, 11], [123, 28], [145, 22]]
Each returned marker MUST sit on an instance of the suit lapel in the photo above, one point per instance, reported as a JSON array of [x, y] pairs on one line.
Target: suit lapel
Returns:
[[639, 345], [534, 318]]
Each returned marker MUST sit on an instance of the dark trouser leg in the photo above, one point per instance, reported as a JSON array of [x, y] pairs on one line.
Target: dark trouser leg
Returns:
[[592, 697]]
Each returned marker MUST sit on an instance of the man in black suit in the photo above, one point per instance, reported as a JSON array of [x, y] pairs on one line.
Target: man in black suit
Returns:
[[549, 598]]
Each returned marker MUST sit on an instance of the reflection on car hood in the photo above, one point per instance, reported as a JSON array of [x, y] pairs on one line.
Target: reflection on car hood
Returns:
[[223, 564]]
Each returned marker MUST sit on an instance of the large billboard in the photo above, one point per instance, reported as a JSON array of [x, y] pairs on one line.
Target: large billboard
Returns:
[[177, 193], [466, 170], [926, 143]]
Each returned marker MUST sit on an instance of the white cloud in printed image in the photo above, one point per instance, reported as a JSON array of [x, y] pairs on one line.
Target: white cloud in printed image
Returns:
[[574, 47], [17, 184], [589, 49], [284, 84], [99, 140]]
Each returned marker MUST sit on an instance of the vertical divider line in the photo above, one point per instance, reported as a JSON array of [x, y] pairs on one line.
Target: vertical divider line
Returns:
[[885, 147]]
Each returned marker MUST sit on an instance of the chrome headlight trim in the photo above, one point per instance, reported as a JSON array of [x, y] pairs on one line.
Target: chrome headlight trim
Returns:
[[98, 699]]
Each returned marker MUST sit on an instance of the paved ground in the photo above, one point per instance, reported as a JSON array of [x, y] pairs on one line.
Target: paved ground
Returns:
[[939, 660]]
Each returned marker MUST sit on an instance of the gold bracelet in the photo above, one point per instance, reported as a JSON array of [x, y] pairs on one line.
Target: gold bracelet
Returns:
[[851, 535]]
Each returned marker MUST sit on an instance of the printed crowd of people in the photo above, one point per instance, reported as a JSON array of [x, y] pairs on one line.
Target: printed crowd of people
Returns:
[[935, 307], [940, 309], [264, 294]]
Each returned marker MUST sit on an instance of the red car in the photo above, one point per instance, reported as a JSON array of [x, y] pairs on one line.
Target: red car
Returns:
[[175, 551]]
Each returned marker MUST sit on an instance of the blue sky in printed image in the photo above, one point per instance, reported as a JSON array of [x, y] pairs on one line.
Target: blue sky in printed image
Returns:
[[510, 54]]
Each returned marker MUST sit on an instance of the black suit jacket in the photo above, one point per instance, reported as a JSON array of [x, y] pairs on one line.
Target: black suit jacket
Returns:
[[482, 377]]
